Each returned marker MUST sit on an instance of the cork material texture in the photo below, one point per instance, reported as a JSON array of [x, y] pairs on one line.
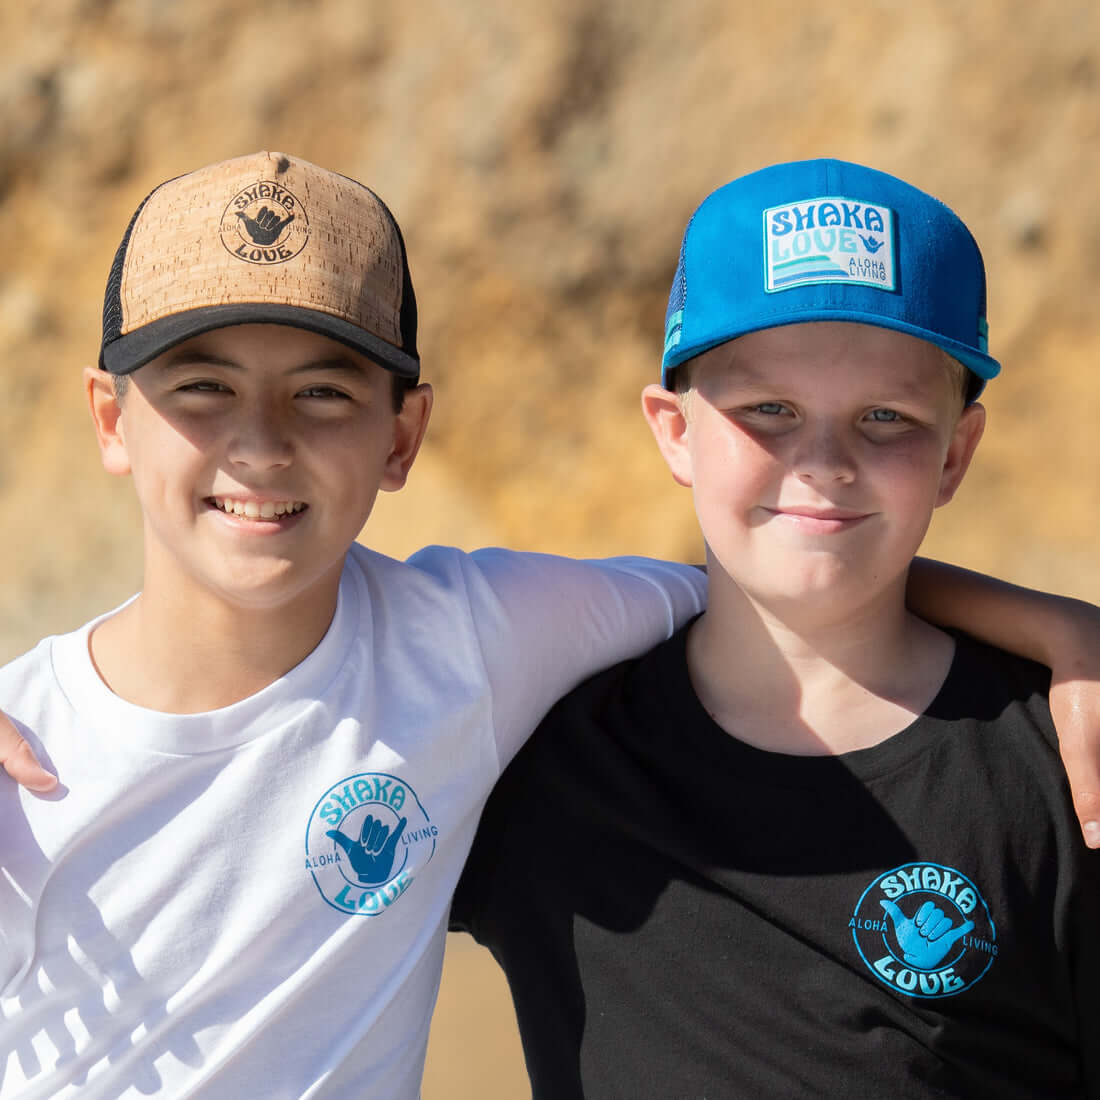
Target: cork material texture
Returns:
[[265, 228]]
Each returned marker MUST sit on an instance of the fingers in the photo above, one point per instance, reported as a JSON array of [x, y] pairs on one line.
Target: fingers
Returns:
[[928, 915], [374, 834], [957, 934], [932, 923], [1075, 708], [19, 760]]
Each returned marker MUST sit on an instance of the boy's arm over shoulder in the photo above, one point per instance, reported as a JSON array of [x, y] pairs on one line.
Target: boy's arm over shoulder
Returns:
[[542, 623], [1059, 632], [545, 623]]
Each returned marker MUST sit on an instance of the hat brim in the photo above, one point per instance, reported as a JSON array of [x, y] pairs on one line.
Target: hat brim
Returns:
[[134, 349], [984, 366]]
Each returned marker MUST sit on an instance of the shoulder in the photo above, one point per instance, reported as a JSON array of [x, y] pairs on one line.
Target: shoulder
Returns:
[[1008, 670], [29, 672], [432, 573], [633, 700], [995, 712], [449, 567], [991, 683], [33, 696], [495, 575]]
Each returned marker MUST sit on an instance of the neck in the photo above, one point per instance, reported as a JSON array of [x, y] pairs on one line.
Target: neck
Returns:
[[800, 680], [187, 653]]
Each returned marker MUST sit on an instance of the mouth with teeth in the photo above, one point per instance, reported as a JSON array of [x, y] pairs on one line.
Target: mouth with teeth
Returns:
[[257, 509]]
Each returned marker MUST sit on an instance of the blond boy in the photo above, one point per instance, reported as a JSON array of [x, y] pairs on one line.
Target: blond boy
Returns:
[[812, 845]]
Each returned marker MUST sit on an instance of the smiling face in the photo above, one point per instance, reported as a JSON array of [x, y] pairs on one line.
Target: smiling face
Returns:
[[816, 453], [256, 453]]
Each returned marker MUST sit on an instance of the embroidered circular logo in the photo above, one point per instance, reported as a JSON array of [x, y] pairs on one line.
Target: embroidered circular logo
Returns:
[[924, 930], [367, 837], [264, 224]]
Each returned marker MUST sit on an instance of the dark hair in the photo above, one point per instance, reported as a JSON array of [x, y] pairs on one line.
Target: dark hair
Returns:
[[399, 386]]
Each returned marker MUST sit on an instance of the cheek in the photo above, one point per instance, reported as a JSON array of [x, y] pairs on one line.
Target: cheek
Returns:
[[732, 474], [725, 455], [161, 440], [350, 459], [912, 468], [167, 463]]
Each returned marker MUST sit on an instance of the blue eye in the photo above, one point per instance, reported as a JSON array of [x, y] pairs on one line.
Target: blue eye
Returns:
[[769, 408], [884, 416]]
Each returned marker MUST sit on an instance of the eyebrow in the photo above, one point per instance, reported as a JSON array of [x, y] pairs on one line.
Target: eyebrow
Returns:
[[740, 371], [334, 364]]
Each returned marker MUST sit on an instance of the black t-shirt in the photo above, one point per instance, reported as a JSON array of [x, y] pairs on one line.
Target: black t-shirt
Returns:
[[681, 915]]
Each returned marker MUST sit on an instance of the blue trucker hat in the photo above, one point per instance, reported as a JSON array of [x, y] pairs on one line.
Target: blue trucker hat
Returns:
[[825, 240]]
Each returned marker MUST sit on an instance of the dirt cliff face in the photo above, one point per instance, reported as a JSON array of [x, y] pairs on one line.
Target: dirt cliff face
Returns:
[[543, 160]]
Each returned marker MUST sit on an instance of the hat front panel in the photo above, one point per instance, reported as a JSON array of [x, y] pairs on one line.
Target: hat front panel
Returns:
[[265, 230], [828, 240]]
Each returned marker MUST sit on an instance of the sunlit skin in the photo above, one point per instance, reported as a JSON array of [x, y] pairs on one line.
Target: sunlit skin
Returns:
[[816, 454], [1058, 632], [291, 426]]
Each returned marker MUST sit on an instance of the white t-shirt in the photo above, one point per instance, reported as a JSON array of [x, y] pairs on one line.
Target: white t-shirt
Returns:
[[253, 901]]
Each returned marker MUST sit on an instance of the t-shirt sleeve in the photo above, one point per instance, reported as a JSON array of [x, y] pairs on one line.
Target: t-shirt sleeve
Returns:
[[545, 623], [483, 887], [475, 893]]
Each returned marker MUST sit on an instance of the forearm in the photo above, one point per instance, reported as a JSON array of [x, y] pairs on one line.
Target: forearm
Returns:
[[1043, 627]]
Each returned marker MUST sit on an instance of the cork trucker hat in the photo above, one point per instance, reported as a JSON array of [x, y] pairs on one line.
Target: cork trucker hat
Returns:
[[825, 240], [265, 238]]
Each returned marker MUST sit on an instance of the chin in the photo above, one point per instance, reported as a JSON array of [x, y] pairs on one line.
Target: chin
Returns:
[[265, 587]]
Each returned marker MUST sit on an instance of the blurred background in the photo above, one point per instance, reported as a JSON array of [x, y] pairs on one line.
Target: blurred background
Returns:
[[542, 160]]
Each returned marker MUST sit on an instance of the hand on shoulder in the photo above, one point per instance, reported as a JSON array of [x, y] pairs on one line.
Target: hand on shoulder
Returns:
[[19, 760]]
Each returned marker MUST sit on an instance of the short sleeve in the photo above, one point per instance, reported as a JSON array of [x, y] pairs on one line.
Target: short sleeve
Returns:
[[546, 623]]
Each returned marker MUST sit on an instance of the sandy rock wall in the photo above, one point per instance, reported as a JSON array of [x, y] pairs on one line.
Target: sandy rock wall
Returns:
[[542, 160]]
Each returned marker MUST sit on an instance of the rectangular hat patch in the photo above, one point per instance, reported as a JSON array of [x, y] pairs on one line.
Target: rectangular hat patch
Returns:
[[829, 240]]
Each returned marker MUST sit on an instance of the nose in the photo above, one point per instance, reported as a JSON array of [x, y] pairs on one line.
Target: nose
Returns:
[[260, 440], [822, 455]]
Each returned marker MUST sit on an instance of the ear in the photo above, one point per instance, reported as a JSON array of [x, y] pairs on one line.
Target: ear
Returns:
[[99, 389], [409, 427], [664, 412], [964, 442]]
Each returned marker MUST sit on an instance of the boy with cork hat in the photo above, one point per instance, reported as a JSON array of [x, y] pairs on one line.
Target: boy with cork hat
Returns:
[[821, 847], [326, 257], [273, 757]]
